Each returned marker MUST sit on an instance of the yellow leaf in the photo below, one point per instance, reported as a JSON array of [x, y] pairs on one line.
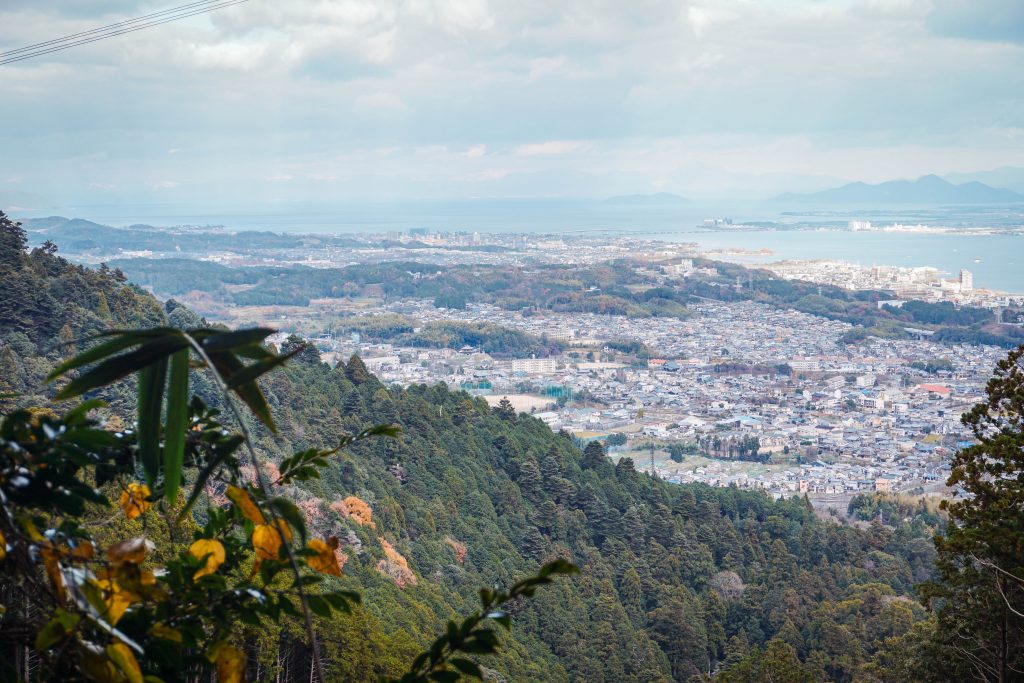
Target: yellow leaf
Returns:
[[214, 553], [99, 668], [83, 551], [116, 600], [117, 603], [3, 546], [166, 632], [230, 665], [266, 541], [245, 503], [52, 566], [133, 500], [286, 531], [325, 561], [123, 658], [132, 550]]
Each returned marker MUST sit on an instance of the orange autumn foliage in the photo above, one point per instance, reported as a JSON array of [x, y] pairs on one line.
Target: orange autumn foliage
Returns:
[[356, 509], [459, 548], [395, 566]]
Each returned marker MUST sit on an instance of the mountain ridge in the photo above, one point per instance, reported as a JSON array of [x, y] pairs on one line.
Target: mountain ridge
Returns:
[[929, 189]]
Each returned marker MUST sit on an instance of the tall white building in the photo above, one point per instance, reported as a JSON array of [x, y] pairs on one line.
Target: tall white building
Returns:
[[966, 280]]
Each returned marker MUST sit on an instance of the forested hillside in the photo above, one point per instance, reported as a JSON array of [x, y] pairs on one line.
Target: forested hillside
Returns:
[[48, 302], [676, 582]]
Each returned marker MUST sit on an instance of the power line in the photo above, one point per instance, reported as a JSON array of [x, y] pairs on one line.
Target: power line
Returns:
[[127, 26], [4, 55]]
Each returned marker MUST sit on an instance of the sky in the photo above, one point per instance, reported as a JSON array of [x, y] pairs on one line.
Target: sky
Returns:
[[305, 100]]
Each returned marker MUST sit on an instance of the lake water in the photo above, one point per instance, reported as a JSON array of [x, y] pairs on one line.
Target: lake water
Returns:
[[997, 260]]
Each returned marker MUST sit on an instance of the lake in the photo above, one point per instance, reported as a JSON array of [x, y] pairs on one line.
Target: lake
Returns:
[[997, 260]]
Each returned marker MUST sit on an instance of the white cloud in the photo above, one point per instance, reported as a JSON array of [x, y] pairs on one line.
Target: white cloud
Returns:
[[425, 96]]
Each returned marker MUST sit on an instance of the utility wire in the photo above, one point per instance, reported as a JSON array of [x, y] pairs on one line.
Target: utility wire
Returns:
[[4, 55], [127, 26]]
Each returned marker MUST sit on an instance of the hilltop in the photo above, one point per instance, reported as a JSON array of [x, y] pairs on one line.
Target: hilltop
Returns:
[[927, 190]]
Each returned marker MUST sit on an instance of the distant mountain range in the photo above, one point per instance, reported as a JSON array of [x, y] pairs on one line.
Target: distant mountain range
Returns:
[[659, 199], [927, 190], [1010, 177]]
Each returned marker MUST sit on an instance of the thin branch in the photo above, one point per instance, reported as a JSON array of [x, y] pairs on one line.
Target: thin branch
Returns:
[[261, 482]]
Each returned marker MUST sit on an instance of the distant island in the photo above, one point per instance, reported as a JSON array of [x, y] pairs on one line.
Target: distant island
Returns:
[[927, 190], [658, 199]]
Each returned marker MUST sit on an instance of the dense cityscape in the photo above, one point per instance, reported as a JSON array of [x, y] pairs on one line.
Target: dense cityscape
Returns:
[[736, 393], [829, 419]]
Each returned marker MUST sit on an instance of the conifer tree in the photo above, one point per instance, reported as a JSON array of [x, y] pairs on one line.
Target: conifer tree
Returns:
[[356, 370], [593, 455], [980, 591], [11, 378]]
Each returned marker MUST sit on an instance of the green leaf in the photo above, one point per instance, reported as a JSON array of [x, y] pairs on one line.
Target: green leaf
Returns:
[[468, 667], [118, 367], [226, 364], [559, 566], [287, 510], [177, 423], [123, 339], [224, 341], [55, 629], [151, 396], [318, 605], [79, 412], [444, 676], [255, 370], [389, 430]]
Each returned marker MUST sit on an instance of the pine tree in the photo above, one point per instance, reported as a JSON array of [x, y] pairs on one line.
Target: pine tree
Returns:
[[13, 243], [66, 336], [355, 370], [631, 593], [551, 464], [685, 505], [530, 478], [505, 410], [981, 556], [103, 308], [12, 378], [593, 455], [305, 352]]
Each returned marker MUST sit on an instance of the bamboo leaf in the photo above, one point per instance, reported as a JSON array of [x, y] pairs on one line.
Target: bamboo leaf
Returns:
[[177, 423], [254, 370], [227, 364], [224, 341], [122, 340], [116, 368], [150, 400]]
